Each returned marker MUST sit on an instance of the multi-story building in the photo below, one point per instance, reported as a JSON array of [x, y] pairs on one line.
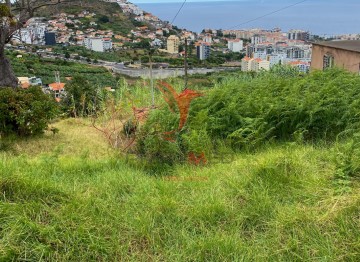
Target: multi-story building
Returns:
[[260, 54], [58, 89], [258, 39], [50, 38], [258, 64], [98, 44], [255, 65], [203, 51], [246, 64], [277, 58], [173, 44], [250, 49], [236, 45], [33, 32], [298, 35], [295, 52], [208, 38], [266, 48], [107, 44]]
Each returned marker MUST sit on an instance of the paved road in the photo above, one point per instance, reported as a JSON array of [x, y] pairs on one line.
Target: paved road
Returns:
[[143, 73], [163, 73], [157, 73]]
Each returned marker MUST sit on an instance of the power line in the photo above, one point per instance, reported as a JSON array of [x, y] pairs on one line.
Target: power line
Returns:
[[273, 12], [185, 57], [178, 11]]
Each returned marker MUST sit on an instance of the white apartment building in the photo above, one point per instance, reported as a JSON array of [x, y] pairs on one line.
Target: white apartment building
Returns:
[[298, 35], [261, 55], [98, 44], [276, 59], [208, 38], [203, 51], [236, 45], [33, 33], [107, 44], [258, 39]]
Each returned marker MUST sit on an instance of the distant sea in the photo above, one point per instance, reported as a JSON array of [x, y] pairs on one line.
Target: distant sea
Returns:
[[322, 17]]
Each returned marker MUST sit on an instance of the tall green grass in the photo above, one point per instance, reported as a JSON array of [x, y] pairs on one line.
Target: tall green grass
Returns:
[[280, 204], [68, 197]]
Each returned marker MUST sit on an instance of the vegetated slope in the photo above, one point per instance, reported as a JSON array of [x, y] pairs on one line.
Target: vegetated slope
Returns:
[[118, 21], [246, 111], [31, 65], [60, 202], [66, 197]]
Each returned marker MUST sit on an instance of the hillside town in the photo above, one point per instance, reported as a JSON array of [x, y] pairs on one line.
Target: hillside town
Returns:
[[257, 49]]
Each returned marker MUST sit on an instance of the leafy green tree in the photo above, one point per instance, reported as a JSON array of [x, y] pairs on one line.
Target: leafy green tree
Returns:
[[25, 112], [104, 19], [219, 33], [80, 97]]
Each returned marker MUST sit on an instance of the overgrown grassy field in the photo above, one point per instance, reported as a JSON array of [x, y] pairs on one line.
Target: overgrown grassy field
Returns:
[[69, 198], [280, 182]]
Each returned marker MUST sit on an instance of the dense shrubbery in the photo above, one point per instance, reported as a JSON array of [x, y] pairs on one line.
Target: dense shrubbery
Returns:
[[25, 112], [246, 111], [80, 99]]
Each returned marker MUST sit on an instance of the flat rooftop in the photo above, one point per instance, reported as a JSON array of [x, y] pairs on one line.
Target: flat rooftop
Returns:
[[350, 45]]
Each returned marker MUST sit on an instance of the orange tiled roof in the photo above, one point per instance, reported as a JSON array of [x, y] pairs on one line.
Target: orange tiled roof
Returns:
[[57, 86], [25, 85]]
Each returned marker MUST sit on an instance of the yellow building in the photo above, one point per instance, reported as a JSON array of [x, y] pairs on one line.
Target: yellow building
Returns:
[[173, 44], [255, 65]]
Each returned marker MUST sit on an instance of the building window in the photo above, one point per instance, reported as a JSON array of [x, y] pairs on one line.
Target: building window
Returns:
[[328, 61]]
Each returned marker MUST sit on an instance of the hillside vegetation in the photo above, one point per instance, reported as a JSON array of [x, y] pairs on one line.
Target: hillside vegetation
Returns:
[[64, 198], [31, 65], [285, 188], [118, 21], [245, 111]]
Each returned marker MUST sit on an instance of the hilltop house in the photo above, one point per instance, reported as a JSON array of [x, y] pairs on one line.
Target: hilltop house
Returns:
[[26, 82], [343, 54], [58, 89]]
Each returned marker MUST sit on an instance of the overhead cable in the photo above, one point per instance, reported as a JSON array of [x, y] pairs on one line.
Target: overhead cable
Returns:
[[273, 12], [178, 12]]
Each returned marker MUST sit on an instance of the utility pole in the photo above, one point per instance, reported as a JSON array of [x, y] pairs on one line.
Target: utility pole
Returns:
[[57, 77], [186, 65], [151, 80]]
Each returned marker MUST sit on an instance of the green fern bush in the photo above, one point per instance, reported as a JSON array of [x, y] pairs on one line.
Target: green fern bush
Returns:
[[245, 112]]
